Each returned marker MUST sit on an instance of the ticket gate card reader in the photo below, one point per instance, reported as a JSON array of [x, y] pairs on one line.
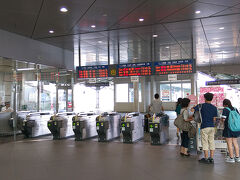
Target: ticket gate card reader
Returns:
[[84, 126], [60, 125], [108, 126], [158, 128], [132, 127], [35, 124]]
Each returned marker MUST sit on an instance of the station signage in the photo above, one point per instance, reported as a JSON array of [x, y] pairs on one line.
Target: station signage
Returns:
[[223, 82], [174, 67], [100, 71], [135, 69], [169, 67]]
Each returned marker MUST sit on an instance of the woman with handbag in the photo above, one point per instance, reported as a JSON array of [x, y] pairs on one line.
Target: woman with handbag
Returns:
[[178, 110], [184, 134]]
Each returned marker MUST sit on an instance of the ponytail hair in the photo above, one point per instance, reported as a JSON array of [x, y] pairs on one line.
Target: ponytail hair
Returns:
[[227, 102]]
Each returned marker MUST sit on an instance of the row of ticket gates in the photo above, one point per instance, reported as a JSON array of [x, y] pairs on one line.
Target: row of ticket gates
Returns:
[[106, 126]]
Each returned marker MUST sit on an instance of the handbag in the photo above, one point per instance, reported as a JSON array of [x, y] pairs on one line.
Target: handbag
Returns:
[[180, 123]]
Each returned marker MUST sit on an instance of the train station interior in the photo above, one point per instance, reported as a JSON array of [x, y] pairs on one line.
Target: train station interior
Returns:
[[79, 78]]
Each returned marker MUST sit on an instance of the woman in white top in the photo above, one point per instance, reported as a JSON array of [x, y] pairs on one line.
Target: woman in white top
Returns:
[[184, 134]]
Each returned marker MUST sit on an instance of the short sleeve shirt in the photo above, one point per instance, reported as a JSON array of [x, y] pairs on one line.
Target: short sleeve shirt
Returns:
[[185, 114], [208, 112], [156, 106]]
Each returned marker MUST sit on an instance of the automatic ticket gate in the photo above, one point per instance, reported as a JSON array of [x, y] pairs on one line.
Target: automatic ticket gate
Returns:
[[159, 129], [21, 116], [60, 125], [108, 126], [132, 126], [35, 124], [84, 126]]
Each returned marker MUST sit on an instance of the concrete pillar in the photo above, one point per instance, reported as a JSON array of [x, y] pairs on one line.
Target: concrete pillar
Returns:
[[193, 84], [136, 99]]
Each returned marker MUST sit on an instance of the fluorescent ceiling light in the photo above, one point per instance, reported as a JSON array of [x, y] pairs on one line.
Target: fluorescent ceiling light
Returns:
[[167, 47], [51, 31], [93, 26], [141, 19], [100, 42], [63, 9], [25, 69], [221, 28], [155, 35], [197, 12]]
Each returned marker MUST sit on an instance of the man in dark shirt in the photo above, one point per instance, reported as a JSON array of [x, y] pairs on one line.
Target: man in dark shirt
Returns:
[[208, 113]]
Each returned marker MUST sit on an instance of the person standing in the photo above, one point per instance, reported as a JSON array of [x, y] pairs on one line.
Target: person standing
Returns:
[[231, 137], [184, 134], [178, 110], [7, 108], [209, 113], [156, 106]]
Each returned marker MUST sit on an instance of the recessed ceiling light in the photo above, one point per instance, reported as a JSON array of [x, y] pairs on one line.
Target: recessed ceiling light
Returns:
[[221, 28], [167, 47], [197, 12], [63, 9], [155, 35], [93, 26], [51, 31], [141, 19]]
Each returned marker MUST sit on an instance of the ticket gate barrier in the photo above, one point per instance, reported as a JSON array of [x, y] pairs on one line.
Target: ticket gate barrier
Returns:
[[60, 125], [132, 127], [159, 129], [35, 124], [84, 126], [108, 126]]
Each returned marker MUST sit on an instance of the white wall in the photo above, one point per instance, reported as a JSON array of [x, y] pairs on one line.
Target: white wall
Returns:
[[21, 48]]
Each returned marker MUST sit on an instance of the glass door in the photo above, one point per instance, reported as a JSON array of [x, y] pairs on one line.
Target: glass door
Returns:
[[65, 100]]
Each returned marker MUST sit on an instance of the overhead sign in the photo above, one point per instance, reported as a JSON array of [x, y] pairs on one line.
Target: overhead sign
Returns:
[[100, 84], [134, 79], [135, 69], [187, 66], [100, 71], [223, 81], [172, 77], [175, 67], [92, 80]]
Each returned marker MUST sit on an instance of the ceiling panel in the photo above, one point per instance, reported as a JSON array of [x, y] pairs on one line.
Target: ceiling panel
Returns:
[[189, 12], [19, 16], [52, 19], [152, 12], [104, 14], [227, 3]]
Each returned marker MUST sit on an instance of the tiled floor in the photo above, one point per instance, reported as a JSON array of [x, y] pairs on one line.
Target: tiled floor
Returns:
[[43, 159]]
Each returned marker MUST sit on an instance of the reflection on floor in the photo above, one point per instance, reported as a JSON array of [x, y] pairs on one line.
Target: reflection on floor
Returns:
[[43, 158]]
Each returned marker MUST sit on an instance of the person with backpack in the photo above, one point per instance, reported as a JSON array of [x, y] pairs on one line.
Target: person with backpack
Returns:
[[229, 115], [184, 134], [178, 110], [208, 115]]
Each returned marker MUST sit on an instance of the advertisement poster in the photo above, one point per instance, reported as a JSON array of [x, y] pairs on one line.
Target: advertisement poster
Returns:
[[218, 95]]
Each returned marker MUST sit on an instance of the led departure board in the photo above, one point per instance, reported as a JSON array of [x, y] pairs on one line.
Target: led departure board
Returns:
[[135, 69], [175, 67], [100, 71]]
